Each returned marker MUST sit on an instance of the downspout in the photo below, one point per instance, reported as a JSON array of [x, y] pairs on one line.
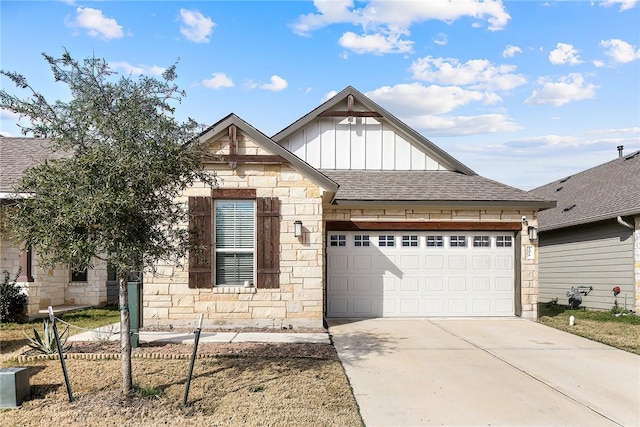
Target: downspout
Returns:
[[623, 223]]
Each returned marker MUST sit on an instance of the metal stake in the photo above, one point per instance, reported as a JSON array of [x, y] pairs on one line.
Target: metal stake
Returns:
[[193, 358], [64, 366]]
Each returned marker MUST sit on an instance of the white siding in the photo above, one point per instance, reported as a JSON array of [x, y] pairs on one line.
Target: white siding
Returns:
[[361, 143], [327, 144]]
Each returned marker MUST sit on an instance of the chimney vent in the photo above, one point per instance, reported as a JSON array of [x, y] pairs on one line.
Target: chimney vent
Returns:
[[620, 148]]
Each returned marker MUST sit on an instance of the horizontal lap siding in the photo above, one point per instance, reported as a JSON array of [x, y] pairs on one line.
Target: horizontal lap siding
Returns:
[[600, 256]]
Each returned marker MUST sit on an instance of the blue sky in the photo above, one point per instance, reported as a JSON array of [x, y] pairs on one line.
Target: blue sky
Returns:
[[523, 92]]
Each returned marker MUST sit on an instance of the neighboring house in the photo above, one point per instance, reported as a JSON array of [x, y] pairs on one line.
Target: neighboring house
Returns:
[[347, 212], [592, 237], [58, 286]]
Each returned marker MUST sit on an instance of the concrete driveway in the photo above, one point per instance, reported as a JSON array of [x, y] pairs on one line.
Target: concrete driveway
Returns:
[[471, 372]]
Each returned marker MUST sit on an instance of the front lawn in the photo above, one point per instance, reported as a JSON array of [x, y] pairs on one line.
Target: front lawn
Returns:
[[620, 331], [245, 384], [12, 334]]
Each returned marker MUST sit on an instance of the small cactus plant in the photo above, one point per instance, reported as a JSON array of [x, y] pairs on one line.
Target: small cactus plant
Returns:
[[47, 342]]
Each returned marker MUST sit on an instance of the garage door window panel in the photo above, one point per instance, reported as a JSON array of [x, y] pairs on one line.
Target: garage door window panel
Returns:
[[435, 241], [504, 241], [481, 242], [386, 241], [338, 240], [458, 241], [410, 241], [360, 240]]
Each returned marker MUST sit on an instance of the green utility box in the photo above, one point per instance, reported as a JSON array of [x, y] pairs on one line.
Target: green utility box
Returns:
[[14, 387], [134, 290]]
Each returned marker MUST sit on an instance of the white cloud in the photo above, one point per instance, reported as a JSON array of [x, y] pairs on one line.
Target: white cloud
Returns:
[[463, 125], [598, 64], [96, 24], [620, 50], [564, 54], [217, 81], [276, 85], [327, 96], [510, 51], [390, 13], [441, 40], [138, 69], [197, 27], [475, 73], [416, 99], [570, 88], [624, 4], [375, 43], [384, 22]]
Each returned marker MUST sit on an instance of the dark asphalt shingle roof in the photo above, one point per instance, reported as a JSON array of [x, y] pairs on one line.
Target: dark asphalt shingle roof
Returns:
[[429, 187], [18, 154], [603, 192]]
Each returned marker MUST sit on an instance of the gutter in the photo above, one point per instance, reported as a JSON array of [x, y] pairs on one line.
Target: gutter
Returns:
[[623, 223]]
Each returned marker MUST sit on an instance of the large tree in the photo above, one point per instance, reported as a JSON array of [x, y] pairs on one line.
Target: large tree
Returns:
[[114, 197]]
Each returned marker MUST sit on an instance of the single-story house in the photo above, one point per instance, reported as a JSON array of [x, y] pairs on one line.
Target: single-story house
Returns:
[[591, 239], [59, 286], [347, 212]]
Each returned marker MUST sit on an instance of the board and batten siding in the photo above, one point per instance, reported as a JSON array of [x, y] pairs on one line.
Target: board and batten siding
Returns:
[[357, 143], [598, 255]]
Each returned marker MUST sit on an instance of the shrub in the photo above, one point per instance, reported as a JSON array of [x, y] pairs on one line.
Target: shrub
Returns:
[[13, 302]]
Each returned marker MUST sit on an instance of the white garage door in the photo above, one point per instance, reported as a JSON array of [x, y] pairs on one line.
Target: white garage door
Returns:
[[405, 274]]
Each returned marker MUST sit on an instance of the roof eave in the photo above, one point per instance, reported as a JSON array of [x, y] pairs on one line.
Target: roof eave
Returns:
[[473, 204], [584, 221]]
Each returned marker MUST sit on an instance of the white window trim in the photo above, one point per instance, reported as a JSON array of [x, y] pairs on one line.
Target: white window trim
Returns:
[[224, 287]]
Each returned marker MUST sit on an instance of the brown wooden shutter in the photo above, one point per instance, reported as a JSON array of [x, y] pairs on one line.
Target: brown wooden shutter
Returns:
[[200, 258], [268, 242]]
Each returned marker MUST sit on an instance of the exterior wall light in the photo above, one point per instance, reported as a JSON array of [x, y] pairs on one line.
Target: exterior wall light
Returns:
[[533, 233], [297, 228]]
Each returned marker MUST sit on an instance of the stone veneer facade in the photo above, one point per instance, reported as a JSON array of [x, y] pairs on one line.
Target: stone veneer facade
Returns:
[[54, 286], [298, 302], [528, 268]]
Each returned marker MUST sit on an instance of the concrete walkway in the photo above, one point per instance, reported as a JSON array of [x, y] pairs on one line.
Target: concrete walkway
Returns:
[[499, 372], [112, 333]]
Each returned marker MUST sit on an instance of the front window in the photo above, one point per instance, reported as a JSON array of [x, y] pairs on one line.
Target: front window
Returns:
[[79, 275], [234, 241]]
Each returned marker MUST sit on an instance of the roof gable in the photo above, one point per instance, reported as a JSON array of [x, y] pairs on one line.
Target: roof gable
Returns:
[[358, 122], [221, 129], [603, 192]]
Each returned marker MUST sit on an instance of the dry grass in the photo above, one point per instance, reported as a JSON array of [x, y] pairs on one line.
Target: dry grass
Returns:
[[257, 388], [622, 332], [12, 334]]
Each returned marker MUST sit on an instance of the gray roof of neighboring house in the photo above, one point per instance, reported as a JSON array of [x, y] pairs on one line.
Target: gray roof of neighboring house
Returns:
[[19, 154], [603, 192], [436, 152], [428, 188]]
